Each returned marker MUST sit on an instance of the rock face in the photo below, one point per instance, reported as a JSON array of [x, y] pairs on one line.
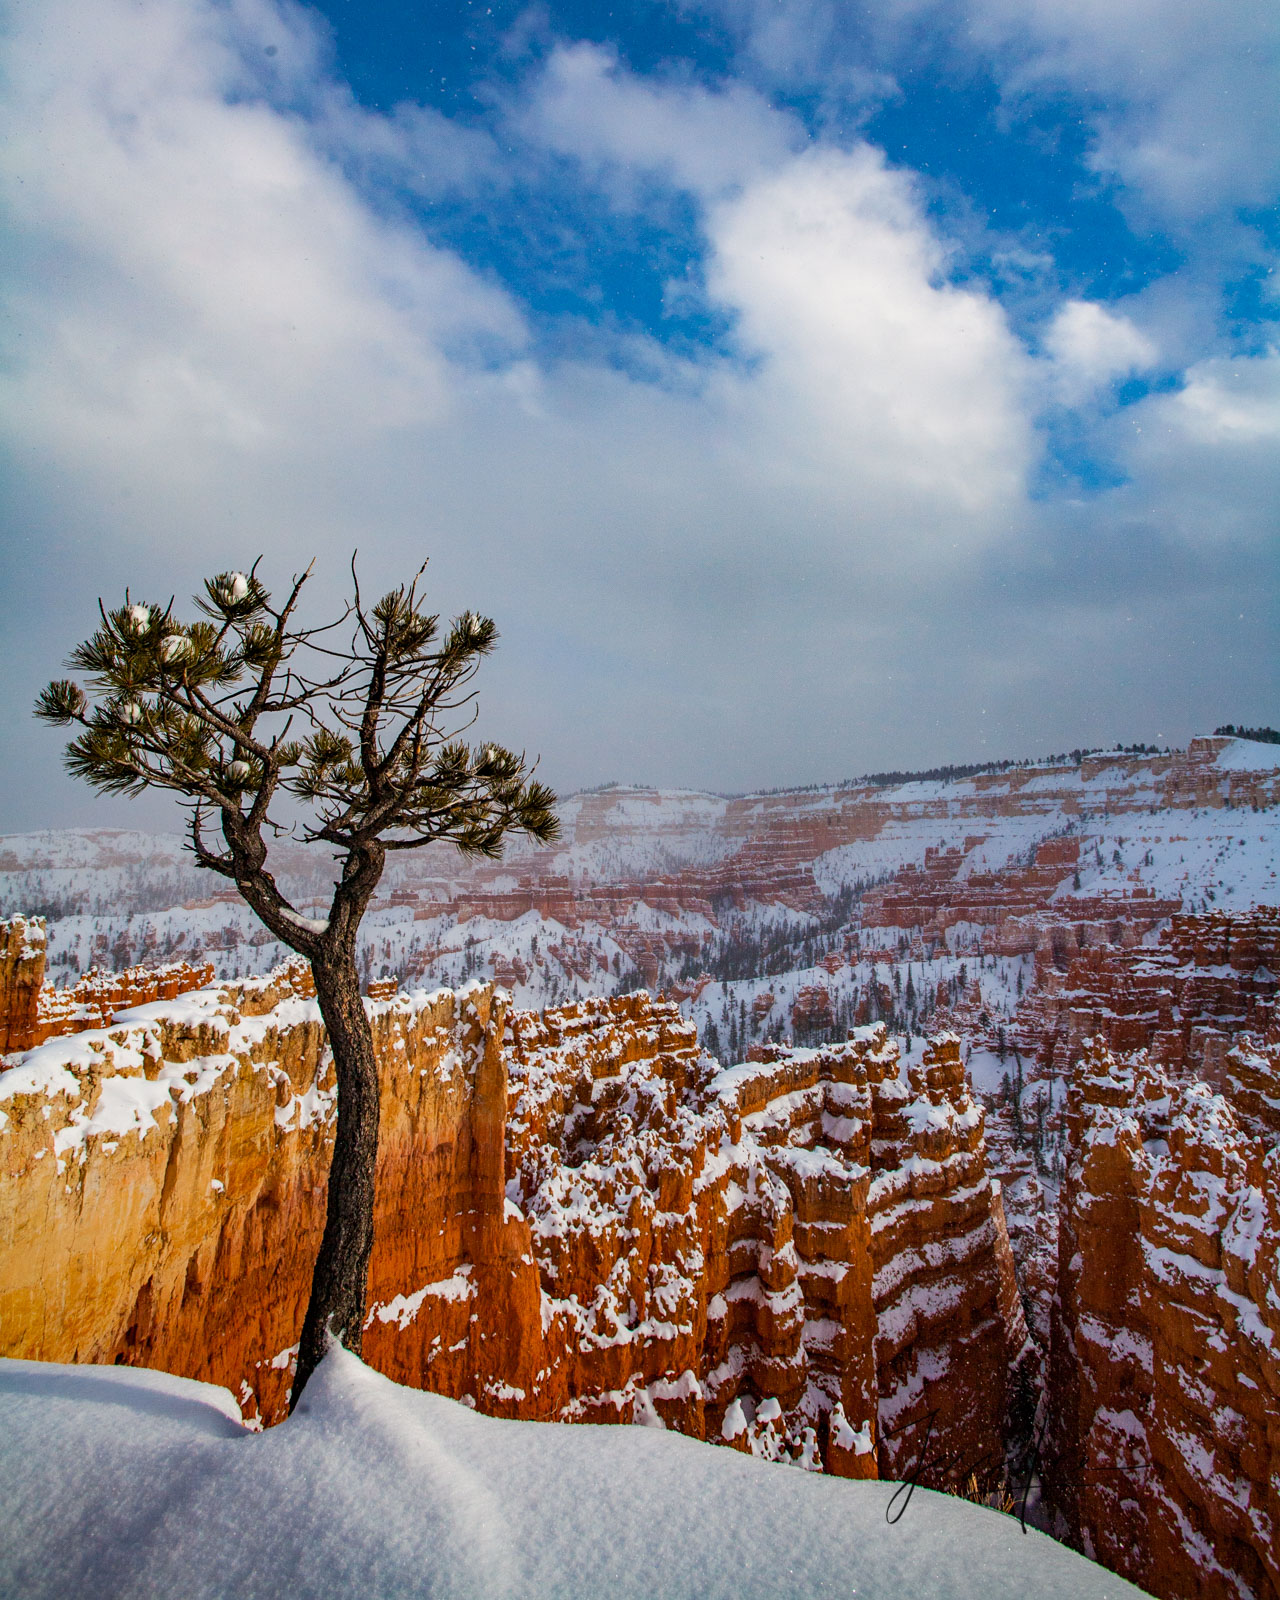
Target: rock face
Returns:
[[1015, 905], [781, 1254], [164, 1184], [651, 886], [1164, 1395], [1000, 859], [1208, 979], [764, 847], [579, 1216], [945, 1290]]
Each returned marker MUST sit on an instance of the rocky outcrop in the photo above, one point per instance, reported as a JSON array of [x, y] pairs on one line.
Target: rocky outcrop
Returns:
[[1164, 1400], [164, 1187], [1207, 980], [765, 847], [21, 975], [659, 872], [946, 1296], [651, 885], [1015, 907], [32, 1010], [797, 1255], [579, 1216]]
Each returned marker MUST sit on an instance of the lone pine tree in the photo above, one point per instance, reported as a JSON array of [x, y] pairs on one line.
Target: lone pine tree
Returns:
[[243, 710]]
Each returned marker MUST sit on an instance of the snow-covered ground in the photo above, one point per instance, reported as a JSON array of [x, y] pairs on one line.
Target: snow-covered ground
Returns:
[[902, 842], [901, 991], [123, 1483], [1209, 859]]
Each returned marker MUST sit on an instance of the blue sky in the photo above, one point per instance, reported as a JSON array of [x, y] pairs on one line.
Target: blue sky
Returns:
[[805, 388]]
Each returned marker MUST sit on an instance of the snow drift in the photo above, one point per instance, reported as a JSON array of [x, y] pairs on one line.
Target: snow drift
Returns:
[[124, 1482]]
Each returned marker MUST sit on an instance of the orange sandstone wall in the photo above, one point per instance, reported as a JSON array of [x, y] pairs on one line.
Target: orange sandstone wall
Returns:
[[1209, 979], [802, 1256], [22, 947], [163, 1182], [946, 1297], [578, 1216], [1164, 1394], [772, 841], [1015, 903]]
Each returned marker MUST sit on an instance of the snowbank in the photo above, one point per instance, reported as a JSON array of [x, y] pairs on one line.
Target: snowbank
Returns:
[[1248, 755], [118, 1482]]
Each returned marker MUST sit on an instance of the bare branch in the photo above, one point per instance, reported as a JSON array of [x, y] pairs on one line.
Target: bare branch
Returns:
[[220, 862]]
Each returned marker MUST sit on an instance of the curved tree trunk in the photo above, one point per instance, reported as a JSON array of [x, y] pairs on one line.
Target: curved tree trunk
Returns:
[[340, 1281]]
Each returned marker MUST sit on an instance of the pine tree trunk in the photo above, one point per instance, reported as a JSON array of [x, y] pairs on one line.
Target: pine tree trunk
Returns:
[[340, 1281]]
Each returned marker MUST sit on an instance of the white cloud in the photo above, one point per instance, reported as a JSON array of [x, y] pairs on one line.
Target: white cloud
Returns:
[[872, 371], [1228, 401], [217, 285], [1090, 347], [691, 137], [1178, 94], [1204, 465], [234, 298], [1180, 98], [876, 372]]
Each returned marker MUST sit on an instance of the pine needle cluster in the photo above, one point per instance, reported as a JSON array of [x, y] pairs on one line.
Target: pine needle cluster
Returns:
[[241, 706]]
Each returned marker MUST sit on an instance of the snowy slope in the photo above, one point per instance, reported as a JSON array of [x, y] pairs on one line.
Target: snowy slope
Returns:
[[1203, 858], [118, 1482]]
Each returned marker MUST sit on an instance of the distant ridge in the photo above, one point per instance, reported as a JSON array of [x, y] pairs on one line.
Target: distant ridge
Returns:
[[1258, 735], [950, 773], [955, 773]]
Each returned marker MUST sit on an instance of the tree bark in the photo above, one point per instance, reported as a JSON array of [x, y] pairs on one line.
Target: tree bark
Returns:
[[340, 1281]]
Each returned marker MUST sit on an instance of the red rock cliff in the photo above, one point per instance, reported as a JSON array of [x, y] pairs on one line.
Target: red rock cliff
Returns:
[[21, 974], [1186, 999], [578, 1216], [1164, 1444]]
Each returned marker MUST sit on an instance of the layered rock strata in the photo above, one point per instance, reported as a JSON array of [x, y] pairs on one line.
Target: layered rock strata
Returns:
[[944, 1276], [1164, 1396], [764, 847], [647, 879], [164, 1188], [1016, 907], [579, 1216], [660, 870]]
